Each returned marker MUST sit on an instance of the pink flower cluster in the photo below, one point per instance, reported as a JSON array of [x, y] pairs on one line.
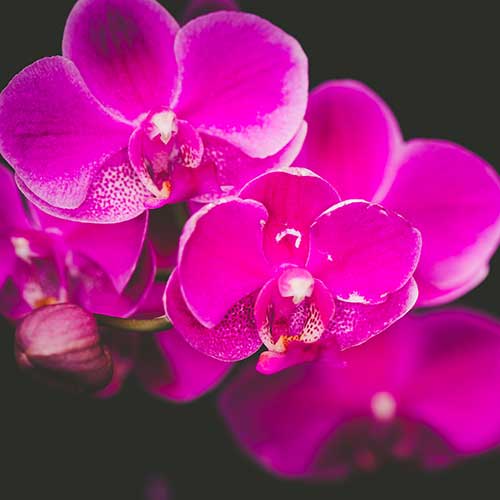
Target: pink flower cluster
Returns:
[[314, 227]]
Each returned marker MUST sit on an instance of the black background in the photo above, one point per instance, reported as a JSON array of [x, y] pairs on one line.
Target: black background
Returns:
[[437, 67]]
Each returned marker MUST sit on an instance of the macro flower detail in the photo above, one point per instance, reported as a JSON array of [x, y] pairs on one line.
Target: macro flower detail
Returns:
[[139, 112], [103, 268], [423, 391], [447, 192], [61, 344], [287, 265]]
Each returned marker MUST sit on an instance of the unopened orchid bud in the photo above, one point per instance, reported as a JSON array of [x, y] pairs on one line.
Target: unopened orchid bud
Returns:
[[60, 344]]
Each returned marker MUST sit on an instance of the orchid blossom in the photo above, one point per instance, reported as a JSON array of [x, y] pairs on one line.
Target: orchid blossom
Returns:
[[139, 112], [288, 265], [426, 390]]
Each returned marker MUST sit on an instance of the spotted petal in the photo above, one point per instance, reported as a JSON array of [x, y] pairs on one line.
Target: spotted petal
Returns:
[[55, 134], [221, 259], [232, 339]]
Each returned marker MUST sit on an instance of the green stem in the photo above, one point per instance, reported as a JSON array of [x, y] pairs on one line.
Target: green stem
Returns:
[[134, 325], [180, 215]]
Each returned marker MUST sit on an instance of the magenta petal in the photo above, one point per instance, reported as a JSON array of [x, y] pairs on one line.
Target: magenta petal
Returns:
[[115, 247], [434, 296], [54, 133], [123, 347], [124, 51], [12, 210], [90, 286], [243, 80], [453, 197], [282, 419], [354, 324], [362, 252], [351, 138], [234, 168], [456, 382], [233, 339], [273, 362], [115, 194], [221, 259], [171, 369], [294, 198], [137, 289], [428, 386]]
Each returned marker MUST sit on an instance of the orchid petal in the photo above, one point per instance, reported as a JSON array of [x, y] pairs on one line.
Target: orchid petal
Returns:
[[171, 369], [351, 139], [234, 168], [294, 198], [425, 390], [456, 382], [353, 324], [54, 133], [243, 80], [90, 286], [453, 197], [115, 194], [233, 339], [221, 259], [13, 213], [115, 247], [124, 51], [363, 252]]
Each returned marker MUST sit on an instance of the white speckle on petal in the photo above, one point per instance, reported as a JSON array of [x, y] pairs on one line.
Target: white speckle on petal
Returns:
[[290, 232], [356, 298], [22, 248]]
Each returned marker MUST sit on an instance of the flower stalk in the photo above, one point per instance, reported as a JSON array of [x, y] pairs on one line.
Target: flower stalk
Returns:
[[153, 325]]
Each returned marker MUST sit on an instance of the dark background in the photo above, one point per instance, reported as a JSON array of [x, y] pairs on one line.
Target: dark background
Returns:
[[436, 66]]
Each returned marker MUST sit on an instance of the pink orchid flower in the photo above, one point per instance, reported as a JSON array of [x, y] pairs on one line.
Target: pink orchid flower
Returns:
[[425, 391], [288, 265], [342, 265], [451, 195], [139, 112], [45, 260]]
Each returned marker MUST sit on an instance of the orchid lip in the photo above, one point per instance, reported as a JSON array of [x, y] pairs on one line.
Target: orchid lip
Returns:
[[294, 313], [159, 148]]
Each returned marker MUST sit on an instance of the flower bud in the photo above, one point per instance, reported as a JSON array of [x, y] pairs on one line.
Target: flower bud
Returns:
[[60, 344]]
